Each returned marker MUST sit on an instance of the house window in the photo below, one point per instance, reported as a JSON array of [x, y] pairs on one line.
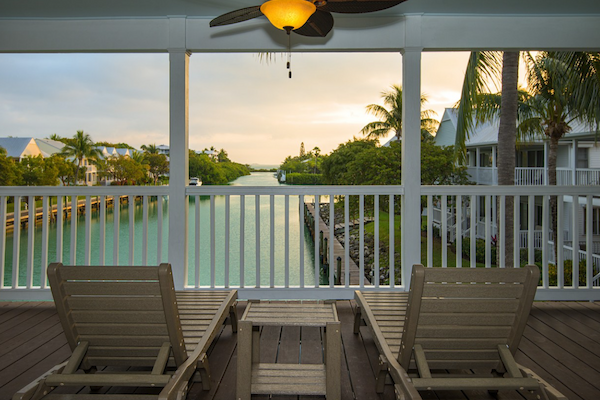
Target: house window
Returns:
[[582, 158], [595, 221]]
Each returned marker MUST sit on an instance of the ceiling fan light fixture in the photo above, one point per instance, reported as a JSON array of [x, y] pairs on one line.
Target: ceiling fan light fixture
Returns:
[[288, 14]]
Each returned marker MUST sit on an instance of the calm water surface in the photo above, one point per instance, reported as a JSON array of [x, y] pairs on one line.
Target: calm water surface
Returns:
[[250, 274]]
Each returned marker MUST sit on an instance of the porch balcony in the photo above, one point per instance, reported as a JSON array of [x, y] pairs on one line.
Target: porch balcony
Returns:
[[228, 224], [530, 176]]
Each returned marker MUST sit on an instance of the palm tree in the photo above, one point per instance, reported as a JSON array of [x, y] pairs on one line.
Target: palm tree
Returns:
[[484, 69], [559, 93], [79, 148], [391, 120], [150, 149]]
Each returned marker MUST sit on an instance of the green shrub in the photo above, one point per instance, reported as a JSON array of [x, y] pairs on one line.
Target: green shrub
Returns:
[[304, 179], [479, 250], [568, 273]]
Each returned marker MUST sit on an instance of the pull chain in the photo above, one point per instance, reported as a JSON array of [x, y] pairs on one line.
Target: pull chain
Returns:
[[289, 60]]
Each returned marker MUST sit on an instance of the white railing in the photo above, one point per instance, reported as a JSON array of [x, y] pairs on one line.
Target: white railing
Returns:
[[529, 176], [534, 176], [483, 175], [588, 176], [554, 284], [87, 236], [254, 238]]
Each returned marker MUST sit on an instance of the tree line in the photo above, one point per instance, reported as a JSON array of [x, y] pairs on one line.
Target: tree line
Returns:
[[146, 167]]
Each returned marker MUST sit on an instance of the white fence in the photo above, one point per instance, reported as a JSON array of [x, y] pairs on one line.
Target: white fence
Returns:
[[533, 176], [254, 238]]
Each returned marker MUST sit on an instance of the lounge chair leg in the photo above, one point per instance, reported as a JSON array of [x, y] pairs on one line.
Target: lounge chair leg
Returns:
[[204, 372], [233, 317], [381, 374], [357, 319]]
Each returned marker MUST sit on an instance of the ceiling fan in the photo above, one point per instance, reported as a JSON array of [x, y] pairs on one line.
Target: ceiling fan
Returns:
[[304, 17]]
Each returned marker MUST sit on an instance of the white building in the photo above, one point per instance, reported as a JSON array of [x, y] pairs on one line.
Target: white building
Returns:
[[578, 163]]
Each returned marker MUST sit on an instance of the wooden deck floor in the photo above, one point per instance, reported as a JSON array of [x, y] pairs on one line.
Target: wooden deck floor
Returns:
[[561, 344]]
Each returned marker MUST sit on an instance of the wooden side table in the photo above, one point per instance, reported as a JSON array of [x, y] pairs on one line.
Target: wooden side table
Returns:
[[254, 377]]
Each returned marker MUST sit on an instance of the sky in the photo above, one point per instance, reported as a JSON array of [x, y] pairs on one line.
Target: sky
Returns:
[[237, 102]]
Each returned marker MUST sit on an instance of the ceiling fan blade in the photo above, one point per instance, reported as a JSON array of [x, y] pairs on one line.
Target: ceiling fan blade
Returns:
[[319, 24], [358, 6], [233, 17]]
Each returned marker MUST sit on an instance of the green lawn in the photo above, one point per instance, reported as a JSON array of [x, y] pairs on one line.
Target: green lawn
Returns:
[[384, 234]]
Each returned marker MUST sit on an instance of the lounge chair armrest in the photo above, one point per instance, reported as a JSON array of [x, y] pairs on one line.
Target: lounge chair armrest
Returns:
[[177, 385], [402, 382], [28, 391], [551, 392]]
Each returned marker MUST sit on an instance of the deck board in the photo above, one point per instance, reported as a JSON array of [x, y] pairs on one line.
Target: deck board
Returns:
[[561, 343]]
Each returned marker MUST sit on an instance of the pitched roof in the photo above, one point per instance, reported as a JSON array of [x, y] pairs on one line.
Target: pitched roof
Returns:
[[17, 147], [49, 147], [487, 133]]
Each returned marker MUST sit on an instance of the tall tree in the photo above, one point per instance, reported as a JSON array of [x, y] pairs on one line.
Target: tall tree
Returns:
[[390, 118], [150, 149], [81, 147]]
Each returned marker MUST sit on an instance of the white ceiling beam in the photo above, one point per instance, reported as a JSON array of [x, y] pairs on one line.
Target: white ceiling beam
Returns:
[[438, 33]]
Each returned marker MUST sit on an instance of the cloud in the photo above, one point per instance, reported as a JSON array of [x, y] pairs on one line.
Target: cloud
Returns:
[[238, 102]]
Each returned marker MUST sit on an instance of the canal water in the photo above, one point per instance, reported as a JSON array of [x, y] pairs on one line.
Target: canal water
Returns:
[[250, 274]]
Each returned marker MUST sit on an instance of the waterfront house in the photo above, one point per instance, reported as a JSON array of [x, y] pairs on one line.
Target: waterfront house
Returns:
[[180, 28], [578, 163]]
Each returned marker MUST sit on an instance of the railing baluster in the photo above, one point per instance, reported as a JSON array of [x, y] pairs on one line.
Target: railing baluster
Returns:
[[145, 230], [59, 228], [102, 244], [73, 244], [242, 237], [257, 234], [444, 231], [430, 231], [331, 261], [131, 211], [458, 239], [3, 200], [159, 229], [473, 230], [301, 206], [589, 275], [575, 240], [392, 249], [88, 230], [530, 229], [517, 231], [347, 241], [116, 227], [545, 231], [272, 241], [559, 246], [287, 241], [488, 232], [376, 241], [30, 239], [16, 241], [213, 252], [197, 247], [227, 240], [501, 233], [361, 225], [316, 238]]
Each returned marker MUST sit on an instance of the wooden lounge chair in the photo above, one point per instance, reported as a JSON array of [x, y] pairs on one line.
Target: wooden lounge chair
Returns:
[[115, 317], [458, 329]]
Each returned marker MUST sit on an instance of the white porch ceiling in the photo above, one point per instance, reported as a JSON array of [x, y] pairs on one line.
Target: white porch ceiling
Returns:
[[212, 8]]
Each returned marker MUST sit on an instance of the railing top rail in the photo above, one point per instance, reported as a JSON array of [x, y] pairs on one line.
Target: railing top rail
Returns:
[[84, 190], [539, 190], [296, 190]]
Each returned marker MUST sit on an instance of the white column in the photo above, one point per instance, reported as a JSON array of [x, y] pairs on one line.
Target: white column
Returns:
[[179, 164], [546, 151], [411, 161], [574, 163]]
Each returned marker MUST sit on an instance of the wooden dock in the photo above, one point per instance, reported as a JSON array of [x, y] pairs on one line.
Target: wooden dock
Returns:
[[338, 249]]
